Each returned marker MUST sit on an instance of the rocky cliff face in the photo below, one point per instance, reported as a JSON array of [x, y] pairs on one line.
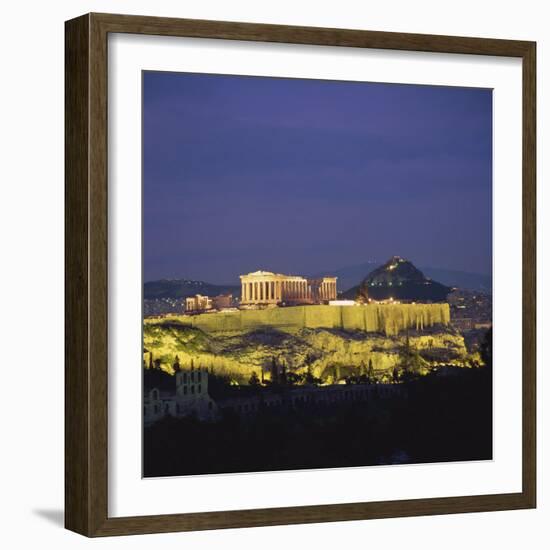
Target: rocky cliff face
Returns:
[[319, 352]]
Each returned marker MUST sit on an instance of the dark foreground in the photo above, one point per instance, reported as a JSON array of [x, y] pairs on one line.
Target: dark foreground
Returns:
[[440, 419]]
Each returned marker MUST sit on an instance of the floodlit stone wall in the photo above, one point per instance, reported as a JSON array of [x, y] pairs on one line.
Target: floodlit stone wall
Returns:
[[389, 319]]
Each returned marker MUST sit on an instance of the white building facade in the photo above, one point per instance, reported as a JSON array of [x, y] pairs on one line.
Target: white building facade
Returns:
[[267, 288]]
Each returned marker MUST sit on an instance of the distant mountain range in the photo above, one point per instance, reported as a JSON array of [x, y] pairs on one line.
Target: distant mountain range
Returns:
[[182, 288], [461, 279], [352, 276], [399, 279]]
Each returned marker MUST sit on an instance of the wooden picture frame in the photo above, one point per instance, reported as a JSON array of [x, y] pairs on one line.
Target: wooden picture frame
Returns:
[[86, 414]]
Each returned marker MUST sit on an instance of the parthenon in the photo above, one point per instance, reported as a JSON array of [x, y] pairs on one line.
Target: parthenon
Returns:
[[267, 288]]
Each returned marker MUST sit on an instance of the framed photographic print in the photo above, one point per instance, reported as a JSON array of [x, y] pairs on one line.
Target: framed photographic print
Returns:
[[300, 274]]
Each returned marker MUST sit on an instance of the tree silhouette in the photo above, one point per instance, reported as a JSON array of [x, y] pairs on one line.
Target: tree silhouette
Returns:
[[486, 348], [370, 372], [274, 371], [395, 375], [283, 377], [254, 380]]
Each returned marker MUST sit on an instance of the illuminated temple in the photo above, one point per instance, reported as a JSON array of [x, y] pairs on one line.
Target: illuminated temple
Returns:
[[267, 288]]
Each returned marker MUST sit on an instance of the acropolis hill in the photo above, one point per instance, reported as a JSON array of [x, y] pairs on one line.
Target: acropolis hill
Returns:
[[301, 323]]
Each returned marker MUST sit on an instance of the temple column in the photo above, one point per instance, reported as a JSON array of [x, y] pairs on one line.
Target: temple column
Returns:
[[243, 297]]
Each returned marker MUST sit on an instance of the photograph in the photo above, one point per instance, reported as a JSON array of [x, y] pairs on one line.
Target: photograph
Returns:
[[317, 273]]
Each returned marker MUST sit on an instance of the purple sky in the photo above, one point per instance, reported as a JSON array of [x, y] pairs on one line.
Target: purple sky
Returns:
[[301, 176]]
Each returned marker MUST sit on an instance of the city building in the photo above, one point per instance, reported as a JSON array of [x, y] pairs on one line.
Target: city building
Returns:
[[192, 395], [191, 398], [222, 301], [157, 404], [308, 396], [198, 303], [267, 288]]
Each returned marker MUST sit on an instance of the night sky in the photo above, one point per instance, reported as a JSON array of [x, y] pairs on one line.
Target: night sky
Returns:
[[306, 176]]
